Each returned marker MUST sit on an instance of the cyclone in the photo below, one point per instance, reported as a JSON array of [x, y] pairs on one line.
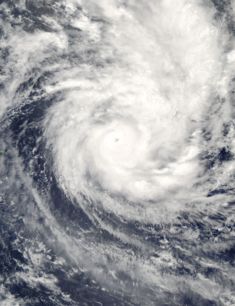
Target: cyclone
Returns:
[[117, 152]]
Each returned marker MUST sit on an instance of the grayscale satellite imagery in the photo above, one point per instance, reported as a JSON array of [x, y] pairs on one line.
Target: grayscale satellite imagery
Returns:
[[117, 152]]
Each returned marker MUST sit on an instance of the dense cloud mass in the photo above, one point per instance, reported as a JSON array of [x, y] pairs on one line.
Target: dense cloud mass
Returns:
[[117, 152]]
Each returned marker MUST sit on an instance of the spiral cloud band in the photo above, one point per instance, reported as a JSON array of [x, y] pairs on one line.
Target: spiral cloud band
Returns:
[[134, 127], [121, 120]]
